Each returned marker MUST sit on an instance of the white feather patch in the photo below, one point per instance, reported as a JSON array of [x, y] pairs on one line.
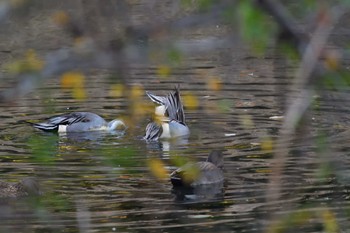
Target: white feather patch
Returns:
[[166, 131], [160, 110], [62, 128]]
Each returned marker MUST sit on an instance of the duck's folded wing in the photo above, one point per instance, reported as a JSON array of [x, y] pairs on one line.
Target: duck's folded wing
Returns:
[[153, 131], [53, 123]]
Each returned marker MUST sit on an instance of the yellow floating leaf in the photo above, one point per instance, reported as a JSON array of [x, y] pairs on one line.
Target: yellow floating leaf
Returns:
[[332, 60], [330, 222], [137, 91], [179, 160], [157, 168], [29, 63], [72, 79], [214, 84], [60, 18], [33, 61], [75, 81], [264, 171], [15, 67], [140, 108], [163, 71], [190, 172], [247, 121], [79, 93], [117, 90], [267, 145], [190, 101]]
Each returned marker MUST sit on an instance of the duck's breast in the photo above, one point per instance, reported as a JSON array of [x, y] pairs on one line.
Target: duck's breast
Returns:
[[178, 129]]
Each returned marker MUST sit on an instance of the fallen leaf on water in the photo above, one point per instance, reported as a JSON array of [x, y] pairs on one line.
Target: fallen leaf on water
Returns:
[[163, 71], [157, 168], [190, 101]]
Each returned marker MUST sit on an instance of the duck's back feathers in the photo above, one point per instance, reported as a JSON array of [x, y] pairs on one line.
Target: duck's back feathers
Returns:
[[75, 121], [153, 131], [216, 157], [200, 173]]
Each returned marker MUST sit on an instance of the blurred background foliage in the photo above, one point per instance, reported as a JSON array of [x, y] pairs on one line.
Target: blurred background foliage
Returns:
[[83, 38]]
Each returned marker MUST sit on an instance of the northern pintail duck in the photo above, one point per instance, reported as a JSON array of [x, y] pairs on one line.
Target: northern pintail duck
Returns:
[[200, 173], [26, 187], [79, 122], [170, 117]]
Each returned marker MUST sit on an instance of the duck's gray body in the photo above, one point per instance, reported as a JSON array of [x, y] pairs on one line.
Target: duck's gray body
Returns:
[[26, 187], [208, 172], [78, 122], [171, 117]]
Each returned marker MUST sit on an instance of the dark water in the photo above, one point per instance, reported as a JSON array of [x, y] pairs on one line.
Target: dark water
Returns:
[[102, 183]]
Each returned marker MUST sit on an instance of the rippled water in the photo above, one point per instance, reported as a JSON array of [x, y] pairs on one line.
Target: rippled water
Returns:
[[103, 183]]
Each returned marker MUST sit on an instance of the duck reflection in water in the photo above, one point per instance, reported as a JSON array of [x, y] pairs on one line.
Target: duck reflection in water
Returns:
[[94, 136], [201, 181], [168, 145]]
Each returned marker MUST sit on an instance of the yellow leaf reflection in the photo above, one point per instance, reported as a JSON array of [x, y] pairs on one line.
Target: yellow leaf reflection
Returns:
[[247, 121], [157, 168], [267, 145], [75, 81], [30, 62], [330, 222], [214, 84], [163, 71], [72, 79], [136, 92], [332, 60], [60, 18], [190, 101], [190, 172], [117, 90]]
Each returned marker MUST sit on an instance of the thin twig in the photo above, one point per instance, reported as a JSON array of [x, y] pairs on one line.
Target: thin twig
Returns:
[[300, 97]]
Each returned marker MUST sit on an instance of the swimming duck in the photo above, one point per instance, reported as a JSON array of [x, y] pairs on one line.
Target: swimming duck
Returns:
[[26, 187], [200, 173], [79, 122], [170, 117]]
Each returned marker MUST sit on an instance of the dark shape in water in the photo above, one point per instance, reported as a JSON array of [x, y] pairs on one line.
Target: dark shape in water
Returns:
[[200, 193], [200, 173], [26, 187], [200, 182]]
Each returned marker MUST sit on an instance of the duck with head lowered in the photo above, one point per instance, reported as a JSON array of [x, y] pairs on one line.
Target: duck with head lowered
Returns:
[[79, 122], [170, 117]]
